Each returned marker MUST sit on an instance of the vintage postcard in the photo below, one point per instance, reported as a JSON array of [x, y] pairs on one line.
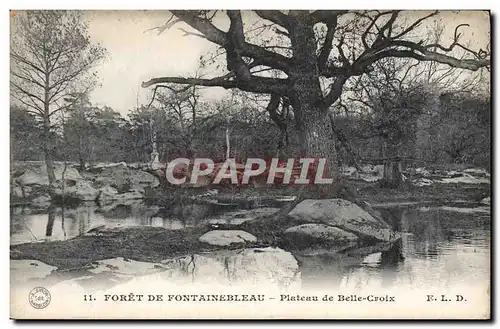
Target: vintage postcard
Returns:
[[250, 164]]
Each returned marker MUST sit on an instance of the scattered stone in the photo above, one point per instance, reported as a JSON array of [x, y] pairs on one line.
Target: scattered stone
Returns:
[[227, 237]]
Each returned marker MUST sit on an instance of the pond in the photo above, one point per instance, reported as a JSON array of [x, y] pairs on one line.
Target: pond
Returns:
[[440, 246]]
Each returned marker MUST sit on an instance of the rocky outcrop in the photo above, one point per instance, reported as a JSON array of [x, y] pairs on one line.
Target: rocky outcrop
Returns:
[[227, 237], [344, 215], [38, 175], [124, 179], [107, 194]]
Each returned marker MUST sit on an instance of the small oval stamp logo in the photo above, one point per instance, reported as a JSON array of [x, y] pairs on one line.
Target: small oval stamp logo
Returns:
[[39, 297]]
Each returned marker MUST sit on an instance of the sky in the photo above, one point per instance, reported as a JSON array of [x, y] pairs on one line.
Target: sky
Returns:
[[135, 55]]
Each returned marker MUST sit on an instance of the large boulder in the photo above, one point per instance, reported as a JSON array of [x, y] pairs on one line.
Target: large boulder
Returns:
[[306, 235], [344, 215], [109, 195], [38, 175], [227, 237]]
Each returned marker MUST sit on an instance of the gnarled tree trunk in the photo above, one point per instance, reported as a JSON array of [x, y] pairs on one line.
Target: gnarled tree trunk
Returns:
[[392, 168], [312, 122]]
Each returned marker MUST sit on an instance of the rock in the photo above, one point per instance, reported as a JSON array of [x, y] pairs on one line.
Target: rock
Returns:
[[465, 178], [107, 193], [350, 172], [422, 182], [478, 172], [82, 190], [142, 179], [134, 195], [41, 200], [227, 237], [486, 201], [38, 176], [305, 235], [343, 214], [124, 179], [110, 165], [17, 191], [372, 260], [24, 270], [138, 189], [422, 172], [370, 173]]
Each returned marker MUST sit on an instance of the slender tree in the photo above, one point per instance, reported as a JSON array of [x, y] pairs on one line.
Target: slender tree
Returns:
[[51, 57], [311, 50]]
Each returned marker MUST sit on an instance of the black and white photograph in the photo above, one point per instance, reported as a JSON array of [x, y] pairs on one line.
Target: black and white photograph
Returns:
[[250, 164]]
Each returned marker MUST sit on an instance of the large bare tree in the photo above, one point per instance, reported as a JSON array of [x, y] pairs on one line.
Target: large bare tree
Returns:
[[51, 58], [316, 53]]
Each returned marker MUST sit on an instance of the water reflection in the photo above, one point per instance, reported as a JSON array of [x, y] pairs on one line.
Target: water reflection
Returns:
[[435, 249], [64, 223]]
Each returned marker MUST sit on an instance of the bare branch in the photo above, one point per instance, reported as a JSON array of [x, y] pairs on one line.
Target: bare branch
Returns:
[[255, 84], [335, 92], [219, 37], [415, 24], [326, 48], [275, 16], [325, 16]]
